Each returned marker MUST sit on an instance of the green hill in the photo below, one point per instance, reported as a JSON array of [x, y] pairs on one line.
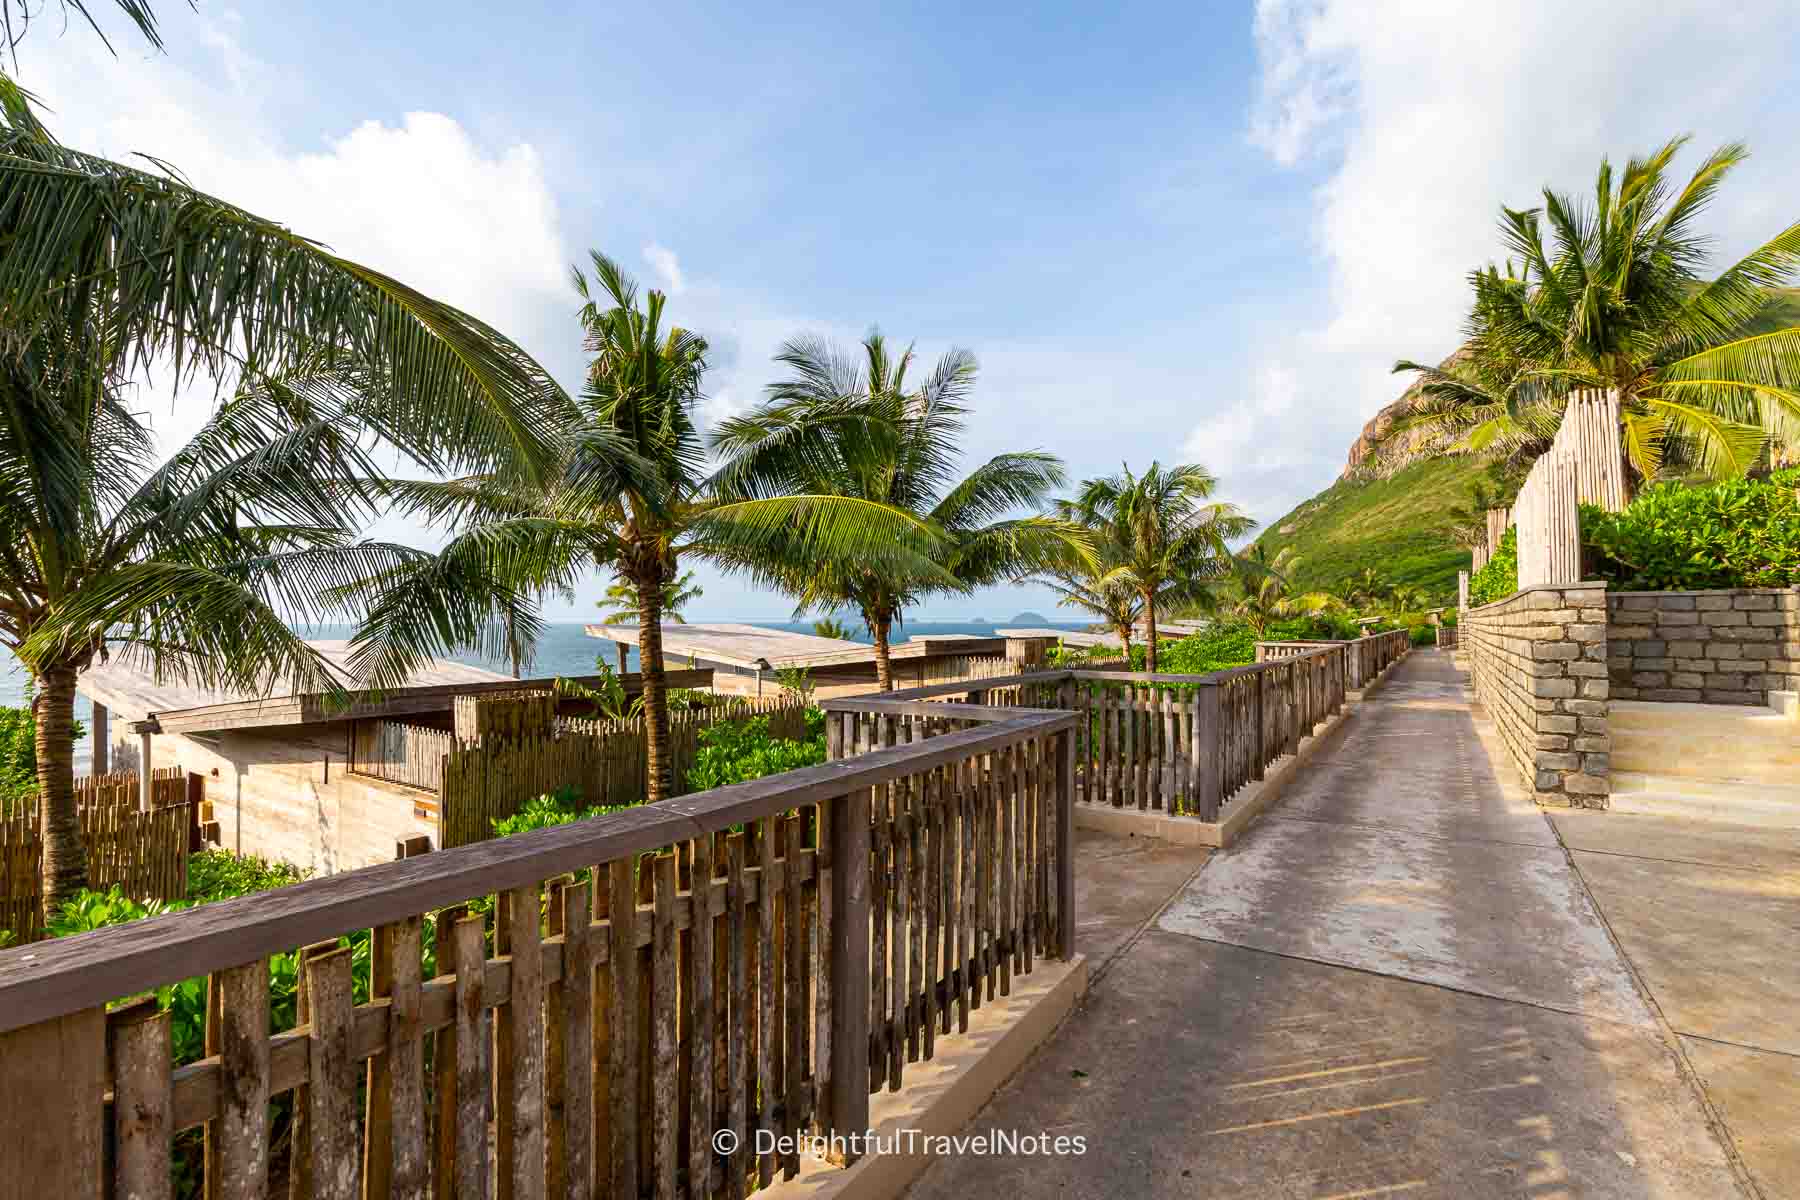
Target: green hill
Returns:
[[1399, 525]]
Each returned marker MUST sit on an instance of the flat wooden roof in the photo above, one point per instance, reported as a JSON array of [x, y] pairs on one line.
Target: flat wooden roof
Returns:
[[176, 707], [752, 646]]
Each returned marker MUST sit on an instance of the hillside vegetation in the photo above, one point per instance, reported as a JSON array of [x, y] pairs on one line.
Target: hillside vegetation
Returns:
[[1400, 526]]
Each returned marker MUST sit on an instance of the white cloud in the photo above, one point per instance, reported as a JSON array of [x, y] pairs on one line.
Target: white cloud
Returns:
[[420, 199], [1426, 117], [667, 266]]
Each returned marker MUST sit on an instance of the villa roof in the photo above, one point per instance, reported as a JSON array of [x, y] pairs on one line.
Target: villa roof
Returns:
[[176, 707], [754, 647]]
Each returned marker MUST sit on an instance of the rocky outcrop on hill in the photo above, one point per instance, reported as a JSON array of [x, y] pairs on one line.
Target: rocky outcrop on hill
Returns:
[[1377, 453]]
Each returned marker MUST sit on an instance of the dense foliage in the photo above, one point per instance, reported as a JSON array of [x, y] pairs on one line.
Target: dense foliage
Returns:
[[1500, 577], [18, 755], [736, 751], [1745, 533], [220, 875], [554, 808]]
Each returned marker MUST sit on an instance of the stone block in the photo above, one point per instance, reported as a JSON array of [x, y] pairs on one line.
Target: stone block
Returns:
[[1557, 761], [1650, 679], [1720, 619], [1714, 603], [1739, 665], [1753, 602], [1594, 650], [1586, 708], [1718, 697], [1598, 744], [1582, 632], [1594, 689], [1557, 723], [1669, 602], [1773, 620], [1650, 647], [1624, 693], [1553, 687], [1747, 633], [1687, 649], [1631, 618], [1555, 651], [1548, 781], [1593, 724], [1686, 679], [1677, 617], [1588, 670], [1596, 763], [1632, 603], [1547, 598], [1652, 664], [1733, 682], [1671, 695], [1695, 664], [1552, 741], [1586, 785]]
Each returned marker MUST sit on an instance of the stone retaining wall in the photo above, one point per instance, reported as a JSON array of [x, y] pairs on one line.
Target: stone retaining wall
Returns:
[[1538, 663], [1719, 647]]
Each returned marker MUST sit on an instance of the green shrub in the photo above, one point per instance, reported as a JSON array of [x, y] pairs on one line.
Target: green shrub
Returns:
[[18, 755], [1500, 577], [557, 808], [220, 875], [738, 751], [1743, 533], [1422, 635]]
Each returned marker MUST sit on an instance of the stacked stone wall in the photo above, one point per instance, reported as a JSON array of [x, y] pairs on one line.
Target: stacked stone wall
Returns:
[[1718, 647], [1538, 662]]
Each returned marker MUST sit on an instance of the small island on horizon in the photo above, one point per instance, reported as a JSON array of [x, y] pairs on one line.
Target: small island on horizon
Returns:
[[1030, 618]]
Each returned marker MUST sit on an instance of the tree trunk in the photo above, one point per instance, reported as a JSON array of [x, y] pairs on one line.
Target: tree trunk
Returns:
[[623, 651], [656, 697], [64, 864], [879, 625], [1125, 637], [1150, 631]]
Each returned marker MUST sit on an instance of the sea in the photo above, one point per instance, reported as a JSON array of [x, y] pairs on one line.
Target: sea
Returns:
[[564, 649]]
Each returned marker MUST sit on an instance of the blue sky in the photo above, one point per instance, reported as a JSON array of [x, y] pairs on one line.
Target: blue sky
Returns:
[[1187, 232]]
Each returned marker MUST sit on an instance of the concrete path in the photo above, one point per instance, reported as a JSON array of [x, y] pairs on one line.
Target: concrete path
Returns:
[[1396, 984]]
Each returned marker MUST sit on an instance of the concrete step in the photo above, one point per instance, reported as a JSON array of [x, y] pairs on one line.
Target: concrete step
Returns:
[[1732, 743], [1768, 805]]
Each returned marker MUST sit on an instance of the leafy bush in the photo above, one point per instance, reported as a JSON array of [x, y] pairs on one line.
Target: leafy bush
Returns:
[[1422, 635], [1500, 577], [736, 751], [552, 808], [88, 910], [1743, 533], [220, 875], [18, 755]]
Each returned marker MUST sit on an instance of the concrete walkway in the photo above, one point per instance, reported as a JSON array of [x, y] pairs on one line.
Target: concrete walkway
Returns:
[[1396, 984]]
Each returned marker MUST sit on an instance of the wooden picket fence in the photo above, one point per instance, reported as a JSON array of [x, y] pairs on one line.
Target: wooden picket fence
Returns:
[[1185, 745], [400, 753], [1584, 465], [144, 853], [758, 959], [604, 760]]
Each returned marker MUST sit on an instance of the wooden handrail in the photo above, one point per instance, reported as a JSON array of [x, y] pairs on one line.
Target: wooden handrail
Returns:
[[66, 975]]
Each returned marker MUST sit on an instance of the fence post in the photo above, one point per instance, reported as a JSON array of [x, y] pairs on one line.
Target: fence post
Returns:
[[53, 1075], [848, 1109], [1065, 844], [1208, 726]]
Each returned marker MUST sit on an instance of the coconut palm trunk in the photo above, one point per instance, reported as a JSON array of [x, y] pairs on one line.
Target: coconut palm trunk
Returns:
[[880, 625], [1150, 630], [656, 707], [64, 861]]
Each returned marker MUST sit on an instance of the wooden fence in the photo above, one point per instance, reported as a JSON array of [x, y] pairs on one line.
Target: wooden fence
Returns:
[[604, 760], [1584, 465], [400, 753], [1181, 744], [144, 853], [590, 1039]]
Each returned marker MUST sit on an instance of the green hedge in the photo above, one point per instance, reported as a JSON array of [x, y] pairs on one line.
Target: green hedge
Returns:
[[1500, 577], [1744, 533]]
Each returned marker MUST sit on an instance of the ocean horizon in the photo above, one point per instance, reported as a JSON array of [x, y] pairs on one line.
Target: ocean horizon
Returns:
[[565, 649]]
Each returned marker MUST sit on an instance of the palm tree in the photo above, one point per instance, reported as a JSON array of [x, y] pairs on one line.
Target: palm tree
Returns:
[[108, 269], [855, 426], [1158, 531], [627, 496], [1368, 588], [831, 627], [622, 598], [1407, 598], [1117, 603], [1262, 593], [1706, 379]]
